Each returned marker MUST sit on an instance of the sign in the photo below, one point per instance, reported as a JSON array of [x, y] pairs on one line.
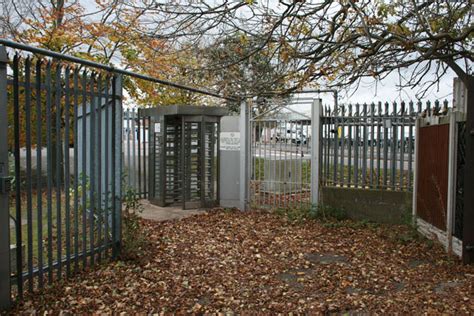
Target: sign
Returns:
[[230, 141], [157, 128]]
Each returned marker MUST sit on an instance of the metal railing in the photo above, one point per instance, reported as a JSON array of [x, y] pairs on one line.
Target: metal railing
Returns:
[[372, 145], [62, 164], [65, 168], [135, 139]]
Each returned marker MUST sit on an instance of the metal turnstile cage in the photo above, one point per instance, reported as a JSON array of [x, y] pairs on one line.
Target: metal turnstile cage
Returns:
[[184, 155]]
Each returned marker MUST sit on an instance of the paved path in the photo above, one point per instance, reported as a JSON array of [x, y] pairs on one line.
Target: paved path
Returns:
[[157, 213]]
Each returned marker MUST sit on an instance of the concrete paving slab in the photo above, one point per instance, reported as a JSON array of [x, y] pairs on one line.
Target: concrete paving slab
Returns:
[[157, 213]]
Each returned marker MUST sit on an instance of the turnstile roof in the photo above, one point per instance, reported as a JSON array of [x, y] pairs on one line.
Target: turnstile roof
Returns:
[[184, 110]]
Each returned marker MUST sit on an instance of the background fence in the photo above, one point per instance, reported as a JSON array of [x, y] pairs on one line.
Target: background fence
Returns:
[[372, 145], [135, 138], [65, 159]]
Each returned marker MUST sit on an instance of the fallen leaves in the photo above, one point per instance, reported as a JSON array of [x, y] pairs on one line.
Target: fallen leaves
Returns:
[[259, 262]]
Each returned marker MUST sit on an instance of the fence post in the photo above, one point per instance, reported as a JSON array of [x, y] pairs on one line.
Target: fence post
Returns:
[[451, 205], [316, 112], [415, 170], [4, 187], [117, 166], [244, 154]]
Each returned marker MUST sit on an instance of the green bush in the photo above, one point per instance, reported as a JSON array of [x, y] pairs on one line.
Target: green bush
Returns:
[[134, 238]]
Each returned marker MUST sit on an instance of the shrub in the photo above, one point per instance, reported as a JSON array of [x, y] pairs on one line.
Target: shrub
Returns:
[[133, 234]]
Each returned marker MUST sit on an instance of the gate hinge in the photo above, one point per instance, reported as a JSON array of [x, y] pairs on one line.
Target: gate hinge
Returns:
[[5, 184]]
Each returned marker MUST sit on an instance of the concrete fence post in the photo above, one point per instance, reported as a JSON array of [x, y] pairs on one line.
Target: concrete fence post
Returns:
[[5, 285], [451, 206], [316, 113], [415, 171]]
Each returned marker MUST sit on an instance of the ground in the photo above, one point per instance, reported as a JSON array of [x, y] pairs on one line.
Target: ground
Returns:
[[228, 261], [157, 213]]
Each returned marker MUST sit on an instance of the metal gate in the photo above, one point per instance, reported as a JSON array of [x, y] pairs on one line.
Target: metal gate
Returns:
[[283, 168], [60, 162]]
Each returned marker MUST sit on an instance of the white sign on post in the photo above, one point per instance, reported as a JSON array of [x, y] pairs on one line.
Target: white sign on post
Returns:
[[157, 127], [230, 141]]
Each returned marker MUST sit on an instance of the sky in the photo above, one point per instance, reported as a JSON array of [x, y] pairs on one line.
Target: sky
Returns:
[[368, 91], [385, 90]]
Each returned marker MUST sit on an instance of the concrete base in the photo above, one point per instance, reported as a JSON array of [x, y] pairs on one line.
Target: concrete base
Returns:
[[380, 206], [434, 233], [158, 213]]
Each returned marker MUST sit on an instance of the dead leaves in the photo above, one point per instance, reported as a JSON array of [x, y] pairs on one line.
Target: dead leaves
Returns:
[[258, 262]]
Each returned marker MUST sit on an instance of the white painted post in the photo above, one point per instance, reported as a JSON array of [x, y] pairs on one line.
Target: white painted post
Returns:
[[451, 180], [415, 169], [459, 96], [244, 155], [316, 112]]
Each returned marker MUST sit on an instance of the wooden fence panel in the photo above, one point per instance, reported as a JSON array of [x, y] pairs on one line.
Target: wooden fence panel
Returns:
[[433, 174]]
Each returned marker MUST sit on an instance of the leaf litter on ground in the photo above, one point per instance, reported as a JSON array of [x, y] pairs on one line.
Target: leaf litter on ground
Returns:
[[238, 262]]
